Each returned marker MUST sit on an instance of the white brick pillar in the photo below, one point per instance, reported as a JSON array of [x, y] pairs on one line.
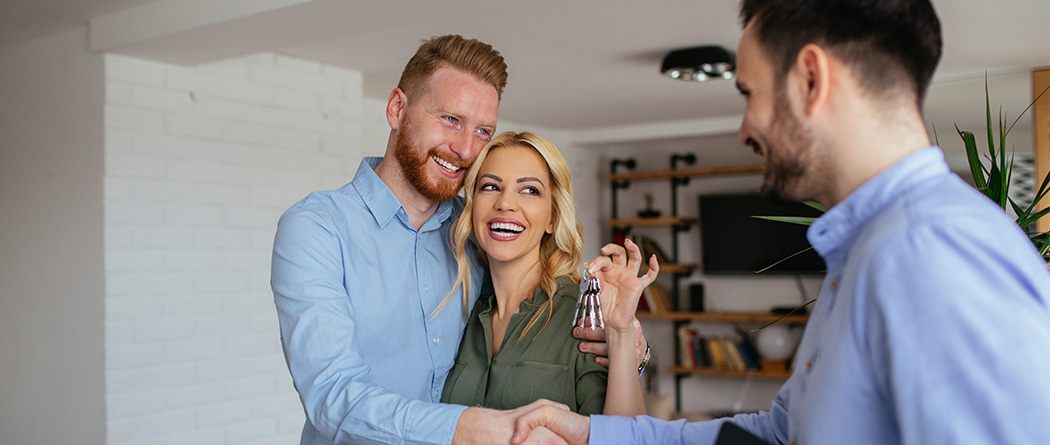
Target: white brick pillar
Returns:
[[200, 163]]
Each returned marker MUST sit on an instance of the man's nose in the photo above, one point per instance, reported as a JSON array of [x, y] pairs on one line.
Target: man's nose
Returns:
[[463, 146], [743, 136]]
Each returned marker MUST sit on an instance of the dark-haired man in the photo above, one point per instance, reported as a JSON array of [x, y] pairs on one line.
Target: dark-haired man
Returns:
[[933, 323], [358, 273]]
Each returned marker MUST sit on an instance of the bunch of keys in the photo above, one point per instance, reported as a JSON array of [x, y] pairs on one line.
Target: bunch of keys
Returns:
[[589, 305]]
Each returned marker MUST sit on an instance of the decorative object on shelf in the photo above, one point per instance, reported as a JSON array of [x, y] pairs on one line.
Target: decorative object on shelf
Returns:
[[699, 64], [776, 343], [648, 211], [696, 297]]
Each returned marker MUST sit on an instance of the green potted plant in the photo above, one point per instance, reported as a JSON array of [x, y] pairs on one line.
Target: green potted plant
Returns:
[[994, 180]]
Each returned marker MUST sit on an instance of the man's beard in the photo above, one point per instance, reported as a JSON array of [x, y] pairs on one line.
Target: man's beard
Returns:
[[414, 165], [787, 156]]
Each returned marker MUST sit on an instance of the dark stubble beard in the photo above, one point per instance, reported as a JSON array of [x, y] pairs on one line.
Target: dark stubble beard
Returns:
[[786, 162], [413, 163]]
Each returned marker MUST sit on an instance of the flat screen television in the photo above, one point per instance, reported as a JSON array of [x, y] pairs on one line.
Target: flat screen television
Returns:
[[735, 243]]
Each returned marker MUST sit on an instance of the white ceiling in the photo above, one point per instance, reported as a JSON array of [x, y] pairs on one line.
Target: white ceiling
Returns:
[[581, 65]]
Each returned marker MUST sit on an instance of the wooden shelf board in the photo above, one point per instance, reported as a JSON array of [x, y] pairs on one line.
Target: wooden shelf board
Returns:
[[711, 372], [669, 267], [725, 317], [663, 221], [685, 173]]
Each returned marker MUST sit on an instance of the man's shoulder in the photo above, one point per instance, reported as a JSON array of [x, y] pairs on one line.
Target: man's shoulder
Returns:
[[327, 205], [944, 227], [946, 204]]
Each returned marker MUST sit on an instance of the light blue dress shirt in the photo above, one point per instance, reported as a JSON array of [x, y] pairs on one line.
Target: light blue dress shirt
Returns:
[[932, 327], [354, 284]]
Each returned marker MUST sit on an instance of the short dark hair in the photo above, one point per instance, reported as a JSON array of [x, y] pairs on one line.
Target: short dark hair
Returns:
[[890, 44], [469, 55]]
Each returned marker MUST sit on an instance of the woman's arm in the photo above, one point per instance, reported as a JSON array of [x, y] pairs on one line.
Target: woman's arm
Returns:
[[621, 289]]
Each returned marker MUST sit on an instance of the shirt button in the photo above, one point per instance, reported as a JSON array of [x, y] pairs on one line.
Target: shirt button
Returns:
[[436, 340], [426, 288], [809, 364], [835, 284], [437, 394]]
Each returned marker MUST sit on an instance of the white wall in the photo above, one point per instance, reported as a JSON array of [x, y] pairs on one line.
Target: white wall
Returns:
[[200, 163], [51, 259]]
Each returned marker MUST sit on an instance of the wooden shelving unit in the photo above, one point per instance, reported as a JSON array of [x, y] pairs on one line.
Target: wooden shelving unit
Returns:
[[662, 221], [685, 173], [677, 177], [723, 317], [711, 372]]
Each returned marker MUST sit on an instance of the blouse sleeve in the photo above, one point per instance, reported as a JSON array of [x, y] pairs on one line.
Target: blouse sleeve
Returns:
[[591, 382]]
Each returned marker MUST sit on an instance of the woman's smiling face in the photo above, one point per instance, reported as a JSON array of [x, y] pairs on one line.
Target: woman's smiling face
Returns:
[[512, 204]]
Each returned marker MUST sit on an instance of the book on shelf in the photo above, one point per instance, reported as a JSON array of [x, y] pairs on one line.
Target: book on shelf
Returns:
[[718, 355], [656, 299], [715, 352], [686, 337], [733, 357], [649, 247]]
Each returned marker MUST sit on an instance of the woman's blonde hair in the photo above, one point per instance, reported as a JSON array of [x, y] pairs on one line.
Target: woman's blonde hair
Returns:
[[560, 250]]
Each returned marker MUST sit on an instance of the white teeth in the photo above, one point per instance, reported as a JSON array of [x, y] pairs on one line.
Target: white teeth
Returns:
[[506, 227], [447, 165]]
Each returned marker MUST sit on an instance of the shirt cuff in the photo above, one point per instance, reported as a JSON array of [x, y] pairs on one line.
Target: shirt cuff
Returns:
[[610, 430], [433, 423]]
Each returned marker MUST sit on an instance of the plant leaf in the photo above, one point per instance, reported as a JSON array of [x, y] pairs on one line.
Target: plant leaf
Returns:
[[976, 168], [784, 316], [815, 205], [995, 187], [785, 259], [1031, 219], [1028, 108], [803, 220], [988, 119]]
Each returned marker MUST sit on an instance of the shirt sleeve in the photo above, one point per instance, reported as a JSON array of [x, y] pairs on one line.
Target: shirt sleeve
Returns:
[[959, 345], [317, 331], [592, 381], [770, 425]]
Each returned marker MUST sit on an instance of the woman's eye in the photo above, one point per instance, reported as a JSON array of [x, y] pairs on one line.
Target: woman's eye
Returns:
[[531, 190], [488, 187]]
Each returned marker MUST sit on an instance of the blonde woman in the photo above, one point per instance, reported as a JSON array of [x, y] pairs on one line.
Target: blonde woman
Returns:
[[518, 345]]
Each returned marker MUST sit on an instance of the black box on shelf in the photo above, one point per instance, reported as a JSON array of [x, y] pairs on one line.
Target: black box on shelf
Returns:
[[696, 297]]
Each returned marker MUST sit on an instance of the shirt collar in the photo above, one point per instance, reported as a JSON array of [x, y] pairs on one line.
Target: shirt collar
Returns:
[[839, 225], [382, 202], [488, 299]]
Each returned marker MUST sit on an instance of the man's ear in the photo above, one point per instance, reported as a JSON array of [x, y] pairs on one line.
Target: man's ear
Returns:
[[813, 77], [395, 108]]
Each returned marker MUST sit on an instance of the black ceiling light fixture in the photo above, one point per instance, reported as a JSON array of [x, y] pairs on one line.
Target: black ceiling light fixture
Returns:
[[699, 64]]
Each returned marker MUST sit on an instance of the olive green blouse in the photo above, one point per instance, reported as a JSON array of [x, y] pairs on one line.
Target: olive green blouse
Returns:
[[547, 364]]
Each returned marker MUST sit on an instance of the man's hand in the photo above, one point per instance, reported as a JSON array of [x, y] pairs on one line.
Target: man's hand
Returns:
[[573, 428], [482, 425], [595, 343]]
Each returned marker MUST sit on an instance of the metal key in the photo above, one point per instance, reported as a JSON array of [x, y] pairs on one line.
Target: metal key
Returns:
[[589, 305]]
